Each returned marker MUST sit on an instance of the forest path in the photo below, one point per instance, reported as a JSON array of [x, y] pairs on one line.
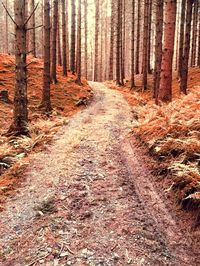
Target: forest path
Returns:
[[88, 200]]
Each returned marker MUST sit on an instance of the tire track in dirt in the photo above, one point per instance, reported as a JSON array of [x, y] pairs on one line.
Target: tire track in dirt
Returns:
[[88, 199]]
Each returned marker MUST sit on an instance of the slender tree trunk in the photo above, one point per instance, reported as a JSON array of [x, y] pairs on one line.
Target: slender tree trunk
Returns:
[[54, 37], [184, 69], [198, 55], [46, 101], [181, 37], [121, 43], [59, 43], [42, 29], [67, 34], [123, 30], [33, 45], [6, 35], [158, 47], [111, 59], [73, 37], [64, 45], [20, 113], [96, 59], [149, 37], [118, 39], [101, 46], [133, 46], [165, 89], [27, 26], [194, 34], [145, 44], [86, 38], [137, 71], [78, 80]]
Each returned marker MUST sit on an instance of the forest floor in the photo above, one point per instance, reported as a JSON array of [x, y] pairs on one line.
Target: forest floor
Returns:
[[89, 198], [67, 98], [171, 134]]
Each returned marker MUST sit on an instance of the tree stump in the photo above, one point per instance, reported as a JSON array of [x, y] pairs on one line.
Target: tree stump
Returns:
[[4, 96]]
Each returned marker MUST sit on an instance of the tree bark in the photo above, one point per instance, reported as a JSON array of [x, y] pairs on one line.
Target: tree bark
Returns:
[[145, 44], [149, 37], [32, 33], [78, 80], [118, 40], [96, 59], [194, 34], [64, 45], [181, 37], [73, 37], [184, 69], [133, 45], [46, 101], [86, 38], [54, 41], [59, 42], [6, 29], [165, 89], [158, 47], [111, 59], [20, 114], [137, 71]]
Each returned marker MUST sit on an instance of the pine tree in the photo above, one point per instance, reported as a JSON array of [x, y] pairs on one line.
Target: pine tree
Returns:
[[54, 41], [20, 113], [46, 101], [165, 89], [186, 51]]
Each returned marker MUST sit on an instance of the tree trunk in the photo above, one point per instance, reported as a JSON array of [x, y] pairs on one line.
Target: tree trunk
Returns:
[[145, 44], [123, 38], [73, 37], [54, 37], [165, 89], [32, 33], [137, 71], [111, 42], [78, 80], [59, 43], [20, 114], [6, 35], [64, 45], [67, 34], [184, 69], [118, 39], [198, 56], [96, 59], [149, 37], [194, 34], [181, 37], [86, 37], [158, 47], [46, 101], [133, 45]]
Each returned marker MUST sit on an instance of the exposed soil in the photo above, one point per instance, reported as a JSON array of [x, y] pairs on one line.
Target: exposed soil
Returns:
[[67, 98], [89, 199], [171, 134]]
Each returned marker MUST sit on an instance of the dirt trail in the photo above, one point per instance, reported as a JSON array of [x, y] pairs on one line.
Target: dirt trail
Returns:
[[88, 199]]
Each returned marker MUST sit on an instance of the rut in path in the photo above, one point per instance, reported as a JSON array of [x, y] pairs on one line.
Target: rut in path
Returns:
[[88, 200]]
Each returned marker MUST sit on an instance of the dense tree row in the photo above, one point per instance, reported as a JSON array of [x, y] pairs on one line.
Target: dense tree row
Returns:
[[164, 36], [103, 39]]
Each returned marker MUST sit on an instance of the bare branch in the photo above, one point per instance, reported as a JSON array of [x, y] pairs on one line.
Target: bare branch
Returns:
[[31, 14], [32, 62], [9, 14], [29, 52], [35, 27]]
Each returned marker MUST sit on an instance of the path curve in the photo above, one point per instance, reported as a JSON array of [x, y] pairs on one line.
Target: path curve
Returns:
[[88, 199]]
